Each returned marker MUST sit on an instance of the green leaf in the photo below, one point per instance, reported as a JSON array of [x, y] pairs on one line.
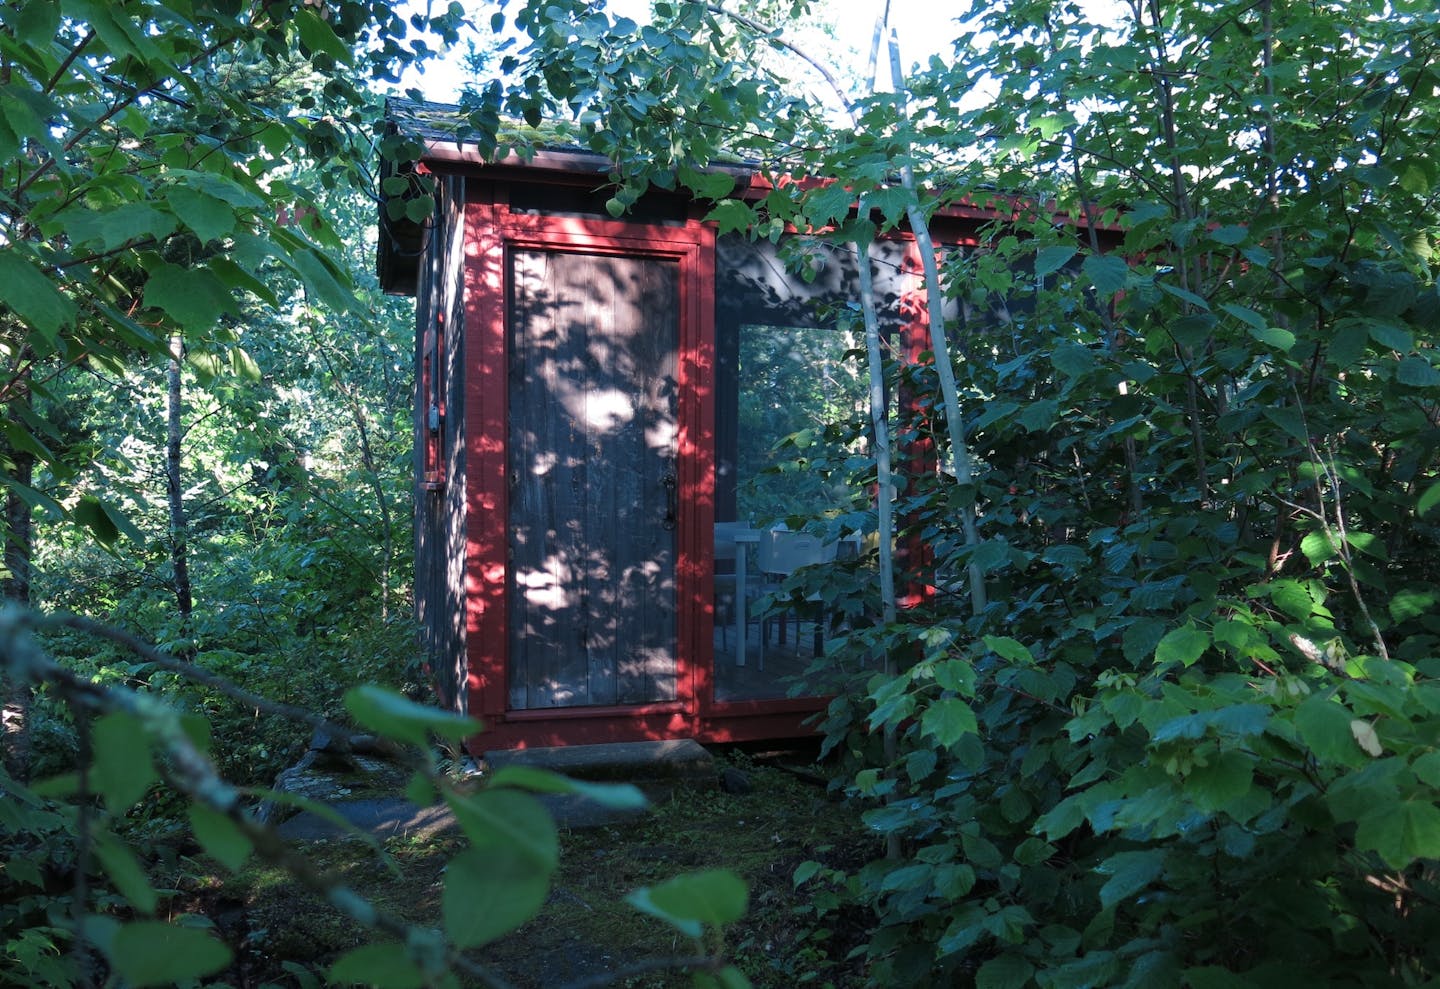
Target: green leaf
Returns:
[[120, 35], [689, 902], [1324, 727], [1193, 330], [1039, 415], [1010, 649], [1401, 832], [123, 769], [1004, 972], [125, 872], [1290, 419], [948, 720], [37, 21], [396, 716], [1183, 645], [1368, 543], [386, 965], [420, 791], [219, 836], [1248, 316], [730, 216], [32, 296], [194, 297], [111, 228], [122, 524], [805, 871], [1106, 272], [1412, 602], [1072, 360], [327, 285], [1184, 295], [153, 953], [1224, 780], [1141, 639], [320, 37], [1348, 343], [1291, 597], [1417, 372], [707, 184], [956, 675], [1427, 768], [209, 218], [1274, 336], [1428, 500], [1318, 546], [616, 796], [1129, 873], [1051, 259], [490, 892], [89, 513], [508, 818], [244, 365], [1394, 337], [1230, 236]]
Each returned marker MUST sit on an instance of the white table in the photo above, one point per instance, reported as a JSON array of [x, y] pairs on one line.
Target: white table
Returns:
[[744, 538]]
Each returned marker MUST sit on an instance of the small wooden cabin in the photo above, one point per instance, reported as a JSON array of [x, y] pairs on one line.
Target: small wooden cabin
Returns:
[[595, 400]]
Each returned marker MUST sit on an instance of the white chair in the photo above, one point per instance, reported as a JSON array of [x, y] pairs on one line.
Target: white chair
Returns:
[[780, 554], [725, 577]]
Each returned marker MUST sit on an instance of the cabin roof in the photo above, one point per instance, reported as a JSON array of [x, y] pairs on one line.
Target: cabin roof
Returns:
[[447, 143], [546, 154]]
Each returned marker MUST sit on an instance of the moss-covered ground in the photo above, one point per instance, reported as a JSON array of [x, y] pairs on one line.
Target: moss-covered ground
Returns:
[[281, 932]]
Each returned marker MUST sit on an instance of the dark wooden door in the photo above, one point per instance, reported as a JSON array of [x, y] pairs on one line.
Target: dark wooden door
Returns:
[[592, 444]]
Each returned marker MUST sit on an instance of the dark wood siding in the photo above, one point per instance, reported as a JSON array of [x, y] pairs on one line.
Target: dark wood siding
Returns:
[[440, 455], [593, 429]]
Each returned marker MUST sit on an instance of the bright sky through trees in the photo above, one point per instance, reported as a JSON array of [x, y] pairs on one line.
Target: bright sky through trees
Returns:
[[924, 29]]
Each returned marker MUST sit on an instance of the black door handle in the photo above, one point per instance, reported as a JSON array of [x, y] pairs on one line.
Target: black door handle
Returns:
[[670, 509]]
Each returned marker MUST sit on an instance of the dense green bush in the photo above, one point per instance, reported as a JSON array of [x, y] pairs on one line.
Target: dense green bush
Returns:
[[1187, 734], [1193, 737]]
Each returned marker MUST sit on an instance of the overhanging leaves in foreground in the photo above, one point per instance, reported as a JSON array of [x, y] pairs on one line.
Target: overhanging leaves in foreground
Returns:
[[154, 953], [396, 716], [695, 901], [491, 892]]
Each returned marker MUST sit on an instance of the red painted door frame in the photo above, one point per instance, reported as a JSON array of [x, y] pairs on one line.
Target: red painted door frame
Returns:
[[491, 233]]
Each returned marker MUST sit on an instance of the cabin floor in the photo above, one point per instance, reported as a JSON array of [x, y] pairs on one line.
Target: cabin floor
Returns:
[[773, 663]]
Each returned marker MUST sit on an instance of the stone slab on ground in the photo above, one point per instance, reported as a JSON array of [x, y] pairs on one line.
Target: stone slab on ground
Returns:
[[654, 766], [391, 817], [671, 759], [380, 817]]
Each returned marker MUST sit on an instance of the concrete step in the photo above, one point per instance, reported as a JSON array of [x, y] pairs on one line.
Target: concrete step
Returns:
[[631, 762]]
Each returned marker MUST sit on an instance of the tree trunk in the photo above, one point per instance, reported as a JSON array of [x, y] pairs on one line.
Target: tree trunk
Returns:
[[179, 549], [939, 346], [16, 589], [884, 510]]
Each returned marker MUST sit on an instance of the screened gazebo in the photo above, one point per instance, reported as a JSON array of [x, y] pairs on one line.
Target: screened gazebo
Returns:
[[597, 405]]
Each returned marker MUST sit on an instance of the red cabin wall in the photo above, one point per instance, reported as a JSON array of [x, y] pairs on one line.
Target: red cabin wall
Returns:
[[462, 523]]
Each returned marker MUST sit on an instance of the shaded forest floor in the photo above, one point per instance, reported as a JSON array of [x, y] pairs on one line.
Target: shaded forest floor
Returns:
[[282, 933]]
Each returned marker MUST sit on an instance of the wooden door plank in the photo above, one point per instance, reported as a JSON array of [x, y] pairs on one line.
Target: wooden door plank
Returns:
[[604, 412], [593, 421]]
